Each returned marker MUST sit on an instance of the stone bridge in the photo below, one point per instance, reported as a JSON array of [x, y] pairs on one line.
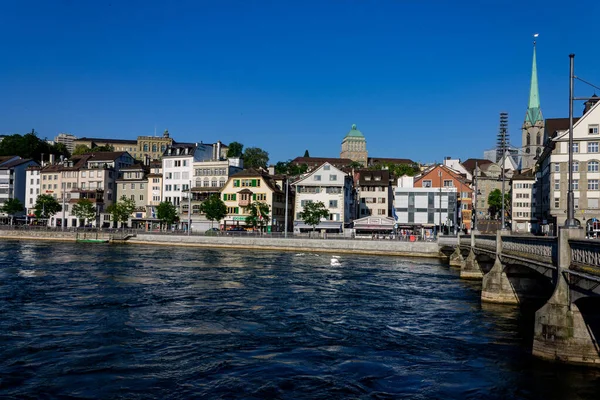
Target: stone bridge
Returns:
[[560, 275]]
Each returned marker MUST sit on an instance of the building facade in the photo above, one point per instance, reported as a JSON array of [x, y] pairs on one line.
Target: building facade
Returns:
[[152, 147], [425, 207], [441, 177], [552, 182], [133, 184], [333, 187], [523, 203], [354, 146], [67, 139], [32, 189], [178, 169], [374, 193], [247, 186], [13, 180]]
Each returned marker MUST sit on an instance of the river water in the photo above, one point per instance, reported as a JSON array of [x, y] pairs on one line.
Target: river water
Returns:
[[119, 321]]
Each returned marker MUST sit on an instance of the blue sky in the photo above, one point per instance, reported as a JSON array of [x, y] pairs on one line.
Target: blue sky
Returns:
[[421, 79]]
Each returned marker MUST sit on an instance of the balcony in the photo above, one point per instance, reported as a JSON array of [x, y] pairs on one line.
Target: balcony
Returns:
[[93, 195], [245, 197]]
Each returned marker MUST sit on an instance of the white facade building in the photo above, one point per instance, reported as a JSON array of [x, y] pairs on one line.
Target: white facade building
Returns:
[[523, 203], [13, 175], [32, 190], [335, 189], [424, 206], [178, 169]]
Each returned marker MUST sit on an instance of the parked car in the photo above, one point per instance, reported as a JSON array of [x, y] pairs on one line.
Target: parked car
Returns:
[[237, 229], [212, 231]]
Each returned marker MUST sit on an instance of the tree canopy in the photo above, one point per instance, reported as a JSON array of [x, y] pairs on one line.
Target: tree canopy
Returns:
[[214, 208], [167, 213], [495, 203], [46, 206], [122, 209], [289, 168], [397, 169], [259, 215], [235, 150], [84, 209], [255, 157], [31, 146], [313, 212], [12, 207], [83, 149]]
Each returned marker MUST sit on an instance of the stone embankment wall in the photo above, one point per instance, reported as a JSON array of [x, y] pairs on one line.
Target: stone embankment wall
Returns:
[[38, 235], [375, 247]]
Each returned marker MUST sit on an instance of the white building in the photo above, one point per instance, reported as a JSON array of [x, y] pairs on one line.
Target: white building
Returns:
[[13, 175], [335, 189], [67, 139], [523, 203], [424, 207], [178, 168], [32, 190], [456, 165]]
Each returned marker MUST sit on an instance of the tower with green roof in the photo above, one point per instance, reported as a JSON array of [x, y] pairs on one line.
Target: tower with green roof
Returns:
[[533, 126], [354, 146]]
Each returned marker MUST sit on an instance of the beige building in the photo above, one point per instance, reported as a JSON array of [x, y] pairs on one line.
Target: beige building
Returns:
[[523, 203], [354, 146], [374, 193], [153, 147], [251, 185], [133, 184], [90, 176]]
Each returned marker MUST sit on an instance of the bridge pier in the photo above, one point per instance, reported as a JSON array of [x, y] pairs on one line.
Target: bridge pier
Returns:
[[471, 269], [560, 332], [456, 259], [495, 287]]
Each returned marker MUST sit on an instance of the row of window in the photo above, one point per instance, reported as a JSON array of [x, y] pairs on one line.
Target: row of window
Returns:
[[592, 166], [332, 203], [372, 200], [332, 217], [244, 196], [210, 171], [592, 184], [427, 183], [332, 177], [176, 163], [522, 195], [177, 188], [145, 147], [366, 211], [592, 147], [519, 204], [246, 183], [523, 185], [210, 183], [177, 175], [141, 186], [591, 203]]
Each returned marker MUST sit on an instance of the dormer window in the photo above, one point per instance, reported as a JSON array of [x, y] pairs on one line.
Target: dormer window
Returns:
[[326, 167], [377, 178], [367, 178], [593, 129]]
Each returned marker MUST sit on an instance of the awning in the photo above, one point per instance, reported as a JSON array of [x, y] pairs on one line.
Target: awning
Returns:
[[322, 225]]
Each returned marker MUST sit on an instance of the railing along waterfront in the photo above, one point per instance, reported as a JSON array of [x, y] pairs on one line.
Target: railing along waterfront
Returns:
[[585, 256], [121, 233], [536, 248], [487, 242]]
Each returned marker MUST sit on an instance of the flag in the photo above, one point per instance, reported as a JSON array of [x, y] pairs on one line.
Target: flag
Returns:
[[153, 212], [394, 213]]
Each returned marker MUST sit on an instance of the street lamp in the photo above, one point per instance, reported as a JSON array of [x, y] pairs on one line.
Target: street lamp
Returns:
[[287, 182], [189, 208]]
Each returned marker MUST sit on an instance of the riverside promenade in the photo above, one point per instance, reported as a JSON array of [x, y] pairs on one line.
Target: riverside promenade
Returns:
[[330, 244]]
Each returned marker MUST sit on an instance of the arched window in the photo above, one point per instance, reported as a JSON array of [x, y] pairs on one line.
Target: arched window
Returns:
[[154, 148], [145, 146], [222, 182], [538, 151], [206, 182], [163, 148], [528, 139], [539, 139], [214, 182], [575, 166], [593, 166]]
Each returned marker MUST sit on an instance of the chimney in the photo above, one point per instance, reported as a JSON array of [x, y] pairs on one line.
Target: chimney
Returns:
[[271, 170], [42, 159], [51, 159], [218, 149]]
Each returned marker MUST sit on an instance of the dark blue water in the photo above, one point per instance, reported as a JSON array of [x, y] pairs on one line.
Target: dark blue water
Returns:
[[106, 321]]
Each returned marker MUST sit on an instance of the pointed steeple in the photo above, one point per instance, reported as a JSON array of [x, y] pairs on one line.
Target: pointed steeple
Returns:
[[534, 112]]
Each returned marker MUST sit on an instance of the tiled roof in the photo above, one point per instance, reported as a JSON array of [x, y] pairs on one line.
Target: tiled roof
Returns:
[[382, 160], [553, 125], [106, 155], [470, 164], [384, 177], [15, 163], [104, 140], [316, 161]]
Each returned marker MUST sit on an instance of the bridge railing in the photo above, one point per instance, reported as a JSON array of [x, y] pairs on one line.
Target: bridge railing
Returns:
[[536, 248], [487, 242], [585, 256]]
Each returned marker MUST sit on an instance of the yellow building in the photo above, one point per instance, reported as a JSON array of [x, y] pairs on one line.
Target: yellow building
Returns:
[[354, 146], [153, 146], [250, 185]]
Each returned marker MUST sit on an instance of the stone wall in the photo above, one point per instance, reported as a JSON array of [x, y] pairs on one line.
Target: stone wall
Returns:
[[38, 235]]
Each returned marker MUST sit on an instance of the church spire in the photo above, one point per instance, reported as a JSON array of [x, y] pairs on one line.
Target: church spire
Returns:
[[534, 112]]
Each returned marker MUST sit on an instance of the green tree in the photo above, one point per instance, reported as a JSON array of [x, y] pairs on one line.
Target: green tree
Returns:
[[81, 149], [12, 207], [107, 147], [46, 206], [259, 215], [235, 150], [214, 208], [122, 209], [167, 213], [255, 157], [313, 212], [355, 165], [495, 203], [84, 209], [282, 167], [30, 146]]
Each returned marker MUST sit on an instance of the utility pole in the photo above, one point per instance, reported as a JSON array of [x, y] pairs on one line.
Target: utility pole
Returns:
[[440, 212], [63, 220], [189, 208], [571, 222], [502, 144], [287, 182], [475, 206]]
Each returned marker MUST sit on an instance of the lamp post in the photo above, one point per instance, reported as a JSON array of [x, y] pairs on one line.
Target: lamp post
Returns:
[[287, 182], [440, 210], [189, 208], [63, 219], [476, 193], [571, 222]]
